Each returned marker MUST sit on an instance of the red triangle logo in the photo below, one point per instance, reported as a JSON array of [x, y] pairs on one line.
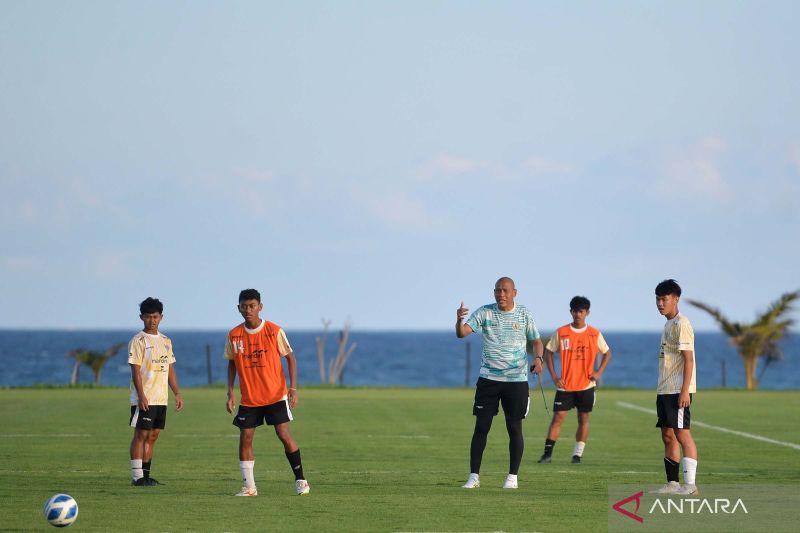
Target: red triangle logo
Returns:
[[618, 506]]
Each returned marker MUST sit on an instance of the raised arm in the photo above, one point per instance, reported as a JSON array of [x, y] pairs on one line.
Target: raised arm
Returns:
[[462, 329]]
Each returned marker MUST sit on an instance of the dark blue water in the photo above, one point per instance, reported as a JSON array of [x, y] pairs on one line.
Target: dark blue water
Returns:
[[415, 359]]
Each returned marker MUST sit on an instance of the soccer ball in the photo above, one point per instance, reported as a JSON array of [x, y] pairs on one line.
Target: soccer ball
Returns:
[[61, 510]]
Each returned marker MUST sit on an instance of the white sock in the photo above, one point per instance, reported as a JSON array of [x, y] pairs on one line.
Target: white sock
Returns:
[[512, 477], [247, 474], [579, 446], [689, 470], [136, 469]]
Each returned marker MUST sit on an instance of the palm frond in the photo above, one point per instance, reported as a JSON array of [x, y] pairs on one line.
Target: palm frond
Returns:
[[732, 329], [777, 308]]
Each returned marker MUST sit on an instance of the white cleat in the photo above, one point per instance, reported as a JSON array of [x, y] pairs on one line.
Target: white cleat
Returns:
[[247, 491], [511, 482], [473, 482], [670, 487], [688, 490], [302, 487]]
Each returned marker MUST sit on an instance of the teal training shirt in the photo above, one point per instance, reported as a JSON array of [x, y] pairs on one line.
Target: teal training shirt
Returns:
[[505, 335]]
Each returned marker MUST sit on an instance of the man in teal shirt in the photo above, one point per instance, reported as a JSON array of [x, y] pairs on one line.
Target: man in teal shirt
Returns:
[[509, 335]]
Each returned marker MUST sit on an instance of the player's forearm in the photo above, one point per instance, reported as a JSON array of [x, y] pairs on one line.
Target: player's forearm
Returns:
[[551, 367], [231, 376], [538, 348], [291, 364], [173, 381], [605, 358], [462, 330]]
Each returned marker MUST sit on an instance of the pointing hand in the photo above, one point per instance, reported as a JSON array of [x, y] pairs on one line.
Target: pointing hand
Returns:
[[462, 312]]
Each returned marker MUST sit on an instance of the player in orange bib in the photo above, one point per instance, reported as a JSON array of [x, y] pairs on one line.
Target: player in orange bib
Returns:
[[254, 351], [578, 345]]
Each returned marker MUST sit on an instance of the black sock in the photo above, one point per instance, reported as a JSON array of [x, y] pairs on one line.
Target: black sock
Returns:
[[548, 447], [146, 468], [294, 462], [671, 468]]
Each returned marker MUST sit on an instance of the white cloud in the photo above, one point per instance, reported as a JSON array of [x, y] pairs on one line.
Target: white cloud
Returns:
[[448, 165], [538, 165], [696, 170], [399, 209], [21, 264], [111, 265]]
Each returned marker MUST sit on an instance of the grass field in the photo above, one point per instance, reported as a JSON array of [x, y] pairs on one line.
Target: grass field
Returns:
[[377, 460]]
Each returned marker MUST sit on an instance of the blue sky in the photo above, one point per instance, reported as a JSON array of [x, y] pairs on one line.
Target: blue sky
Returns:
[[385, 161]]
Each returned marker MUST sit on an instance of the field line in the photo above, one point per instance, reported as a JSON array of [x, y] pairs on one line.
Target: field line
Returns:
[[717, 428]]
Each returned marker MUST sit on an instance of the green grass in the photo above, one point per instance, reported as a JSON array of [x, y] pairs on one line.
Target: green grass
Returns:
[[377, 460]]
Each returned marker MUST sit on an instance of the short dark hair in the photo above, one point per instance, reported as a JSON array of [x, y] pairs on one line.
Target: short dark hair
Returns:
[[249, 294], [151, 305], [668, 286], [579, 302]]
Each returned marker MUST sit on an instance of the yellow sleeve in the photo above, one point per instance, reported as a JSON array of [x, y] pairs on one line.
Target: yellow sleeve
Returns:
[[552, 344], [283, 343], [170, 353], [228, 350], [136, 351], [602, 345], [686, 336]]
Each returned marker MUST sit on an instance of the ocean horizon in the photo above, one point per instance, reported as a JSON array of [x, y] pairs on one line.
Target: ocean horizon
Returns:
[[412, 358]]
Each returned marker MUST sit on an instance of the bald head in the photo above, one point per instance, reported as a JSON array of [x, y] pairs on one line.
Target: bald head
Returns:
[[505, 279], [504, 293]]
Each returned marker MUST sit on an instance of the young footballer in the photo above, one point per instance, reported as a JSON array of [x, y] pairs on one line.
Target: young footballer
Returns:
[[676, 384], [254, 351], [578, 345], [509, 334], [152, 370]]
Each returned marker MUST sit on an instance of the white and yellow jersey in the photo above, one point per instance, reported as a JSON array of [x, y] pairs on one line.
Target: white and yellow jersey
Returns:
[[678, 336], [153, 354]]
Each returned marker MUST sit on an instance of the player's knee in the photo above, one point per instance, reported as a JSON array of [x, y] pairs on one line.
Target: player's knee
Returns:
[[282, 431], [683, 436], [514, 427], [246, 437], [482, 425], [141, 435]]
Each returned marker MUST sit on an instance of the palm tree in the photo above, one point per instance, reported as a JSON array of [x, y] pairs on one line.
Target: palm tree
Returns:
[[92, 359], [761, 337]]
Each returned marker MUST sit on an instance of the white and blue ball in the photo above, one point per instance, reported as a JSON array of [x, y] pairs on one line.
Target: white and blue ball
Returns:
[[61, 510]]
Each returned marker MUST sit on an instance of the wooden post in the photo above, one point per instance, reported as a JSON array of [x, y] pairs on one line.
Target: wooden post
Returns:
[[208, 362]]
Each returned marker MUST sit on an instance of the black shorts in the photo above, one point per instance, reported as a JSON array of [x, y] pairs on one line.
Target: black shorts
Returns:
[[582, 399], [154, 418], [669, 414], [272, 414], [489, 394]]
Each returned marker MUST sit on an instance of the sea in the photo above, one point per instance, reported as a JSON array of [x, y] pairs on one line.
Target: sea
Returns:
[[380, 359]]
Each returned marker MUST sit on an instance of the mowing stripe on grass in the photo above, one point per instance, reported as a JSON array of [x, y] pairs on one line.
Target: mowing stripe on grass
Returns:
[[44, 436], [716, 428]]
